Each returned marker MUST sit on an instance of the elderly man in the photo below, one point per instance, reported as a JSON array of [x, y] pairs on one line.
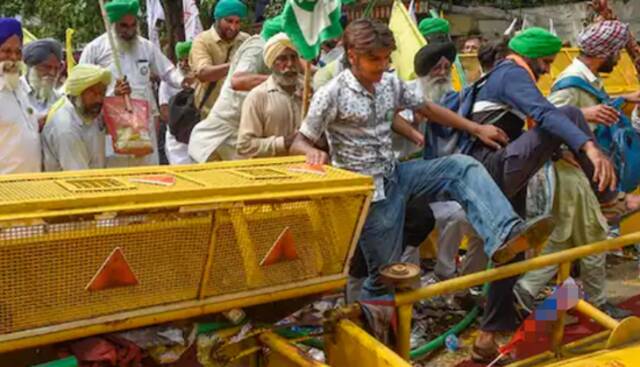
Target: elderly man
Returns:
[[139, 59], [508, 99], [20, 148], [73, 138], [355, 111], [215, 137], [44, 61], [213, 49], [271, 114], [576, 209], [433, 66]]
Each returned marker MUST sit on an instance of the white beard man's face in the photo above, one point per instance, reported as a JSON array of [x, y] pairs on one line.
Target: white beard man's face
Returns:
[[10, 75], [42, 86], [434, 88]]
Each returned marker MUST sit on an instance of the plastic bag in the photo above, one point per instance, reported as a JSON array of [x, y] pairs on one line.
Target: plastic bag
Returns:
[[129, 130]]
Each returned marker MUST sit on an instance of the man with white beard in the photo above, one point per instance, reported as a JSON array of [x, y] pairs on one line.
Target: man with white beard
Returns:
[[20, 148], [433, 64], [139, 58], [44, 61]]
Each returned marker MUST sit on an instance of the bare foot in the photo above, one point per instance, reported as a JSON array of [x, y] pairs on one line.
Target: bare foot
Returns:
[[632, 202]]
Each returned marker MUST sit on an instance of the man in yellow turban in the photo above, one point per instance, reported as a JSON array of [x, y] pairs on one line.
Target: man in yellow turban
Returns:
[[271, 114], [73, 137]]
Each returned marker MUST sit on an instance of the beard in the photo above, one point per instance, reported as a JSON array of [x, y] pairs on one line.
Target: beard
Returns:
[[10, 75], [124, 45], [608, 66], [433, 89], [87, 113], [42, 86], [287, 78]]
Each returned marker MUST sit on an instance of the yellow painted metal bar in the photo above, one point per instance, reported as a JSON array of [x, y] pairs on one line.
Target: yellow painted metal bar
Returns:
[[287, 351], [507, 271], [150, 316], [573, 347], [246, 248], [350, 346], [405, 315], [206, 273], [598, 316]]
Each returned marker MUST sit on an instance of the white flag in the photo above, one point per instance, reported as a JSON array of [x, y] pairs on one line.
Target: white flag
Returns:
[[191, 18], [154, 13]]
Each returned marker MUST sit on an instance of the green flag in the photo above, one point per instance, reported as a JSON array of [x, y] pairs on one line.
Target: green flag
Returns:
[[309, 23]]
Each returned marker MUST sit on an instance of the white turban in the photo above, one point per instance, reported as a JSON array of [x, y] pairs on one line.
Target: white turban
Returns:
[[275, 46], [84, 76]]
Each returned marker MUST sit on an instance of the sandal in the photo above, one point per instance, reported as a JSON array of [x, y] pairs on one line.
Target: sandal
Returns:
[[488, 355], [615, 211]]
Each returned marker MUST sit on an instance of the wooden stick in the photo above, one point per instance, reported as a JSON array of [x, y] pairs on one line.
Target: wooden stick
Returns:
[[306, 95]]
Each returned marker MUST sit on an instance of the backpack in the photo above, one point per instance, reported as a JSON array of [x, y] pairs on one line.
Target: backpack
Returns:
[[183, 113], [620, 141]]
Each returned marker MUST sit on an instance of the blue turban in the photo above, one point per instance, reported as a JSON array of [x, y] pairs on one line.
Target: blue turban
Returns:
[[9, 27], [38, 51], [227, 8]]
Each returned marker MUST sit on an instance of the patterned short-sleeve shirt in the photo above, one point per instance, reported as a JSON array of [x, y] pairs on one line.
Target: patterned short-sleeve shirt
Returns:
[[357, 123]]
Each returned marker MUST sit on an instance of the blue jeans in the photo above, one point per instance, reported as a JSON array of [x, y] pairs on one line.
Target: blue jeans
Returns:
[[459, 178]]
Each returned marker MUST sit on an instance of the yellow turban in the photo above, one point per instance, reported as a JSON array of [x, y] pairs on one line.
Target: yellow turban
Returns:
[[274, 47], [84, 76]]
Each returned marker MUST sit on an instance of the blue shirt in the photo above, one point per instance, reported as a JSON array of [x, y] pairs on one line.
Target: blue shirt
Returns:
[[511, 85]]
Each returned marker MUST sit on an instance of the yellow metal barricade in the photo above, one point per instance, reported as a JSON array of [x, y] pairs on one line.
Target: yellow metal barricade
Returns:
[[185, 240]]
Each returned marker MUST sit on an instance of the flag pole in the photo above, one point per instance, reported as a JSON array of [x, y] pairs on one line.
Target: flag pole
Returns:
[[306, 94]]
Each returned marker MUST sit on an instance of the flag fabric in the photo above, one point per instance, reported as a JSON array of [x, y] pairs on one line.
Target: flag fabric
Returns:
[[155, 12], [310, 23], [540, 322], [408, 42], [191, 19], [71, 61]]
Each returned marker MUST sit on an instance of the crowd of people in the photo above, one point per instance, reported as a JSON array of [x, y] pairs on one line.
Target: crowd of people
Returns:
[[488, 152]]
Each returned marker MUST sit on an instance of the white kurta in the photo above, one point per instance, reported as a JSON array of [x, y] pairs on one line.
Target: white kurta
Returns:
[[20, 142], [69, 143], [138, 63], [177, 152]]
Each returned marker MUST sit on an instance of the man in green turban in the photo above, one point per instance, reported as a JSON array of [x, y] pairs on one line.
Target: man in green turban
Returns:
[[509, 99], [213, 48], [139, 59], [435, 30]]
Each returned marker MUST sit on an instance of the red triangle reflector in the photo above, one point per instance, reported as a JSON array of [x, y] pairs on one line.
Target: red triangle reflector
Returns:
[[114, 272], [283, 249]]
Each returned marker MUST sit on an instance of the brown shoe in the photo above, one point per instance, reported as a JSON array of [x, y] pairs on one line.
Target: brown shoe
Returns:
[[533, 236], [487, 355]]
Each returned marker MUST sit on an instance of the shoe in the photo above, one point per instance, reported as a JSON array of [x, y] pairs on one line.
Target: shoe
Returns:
[[530, 235], [488, 355], [524, 299], [614, 311]]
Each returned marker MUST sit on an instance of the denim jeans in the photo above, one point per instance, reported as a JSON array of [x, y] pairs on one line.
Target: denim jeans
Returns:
[[459, 178]]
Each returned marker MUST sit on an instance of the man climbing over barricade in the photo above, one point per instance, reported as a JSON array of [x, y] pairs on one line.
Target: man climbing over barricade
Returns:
[[576, 211], [356, 110], [508, 98]]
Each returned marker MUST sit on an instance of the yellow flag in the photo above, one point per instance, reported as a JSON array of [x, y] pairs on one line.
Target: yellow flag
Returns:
[[71, 62], [408, 42]]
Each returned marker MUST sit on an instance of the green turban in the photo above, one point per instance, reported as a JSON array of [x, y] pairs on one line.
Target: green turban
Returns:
[[227, 8], [117, 9], [535, 42], [84, 76], [183, 49], [271, 27], [430, 26]]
